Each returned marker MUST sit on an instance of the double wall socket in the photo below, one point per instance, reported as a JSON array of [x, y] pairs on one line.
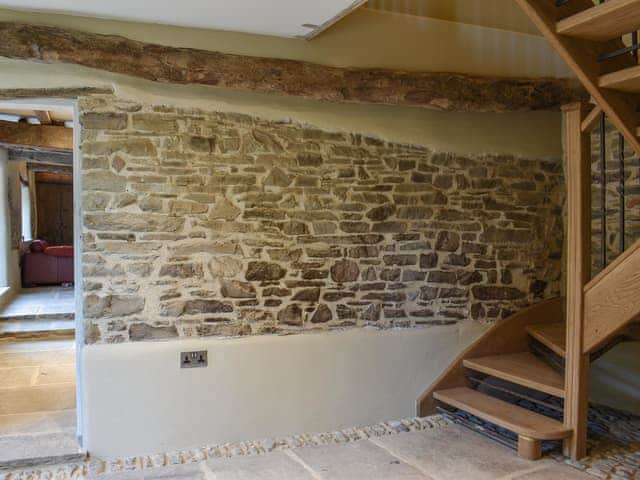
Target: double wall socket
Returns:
[[194, 359]]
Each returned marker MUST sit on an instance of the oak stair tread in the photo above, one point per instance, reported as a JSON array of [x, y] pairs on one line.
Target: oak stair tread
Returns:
[[551, 335], [602, 22], [522, 369], [625, 80], [506, 415]]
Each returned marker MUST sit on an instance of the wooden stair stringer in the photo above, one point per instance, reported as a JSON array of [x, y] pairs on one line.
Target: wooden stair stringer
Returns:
[[507, 336], [612, 300], [581, 56]]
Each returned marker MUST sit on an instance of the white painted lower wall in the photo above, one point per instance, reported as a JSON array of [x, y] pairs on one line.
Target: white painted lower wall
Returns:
[[138, 401]]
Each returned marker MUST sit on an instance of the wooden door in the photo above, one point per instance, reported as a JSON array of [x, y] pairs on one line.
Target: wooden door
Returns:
[[54, 203]]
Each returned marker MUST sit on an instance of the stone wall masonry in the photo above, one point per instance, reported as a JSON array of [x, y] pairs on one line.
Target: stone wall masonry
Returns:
[[204, 223]]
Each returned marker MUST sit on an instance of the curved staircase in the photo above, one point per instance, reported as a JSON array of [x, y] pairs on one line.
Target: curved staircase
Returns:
[[525, 353], [527, 378]]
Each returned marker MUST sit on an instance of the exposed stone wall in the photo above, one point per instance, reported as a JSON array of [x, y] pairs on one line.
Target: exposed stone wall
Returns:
[[632, 196], [203, 223]]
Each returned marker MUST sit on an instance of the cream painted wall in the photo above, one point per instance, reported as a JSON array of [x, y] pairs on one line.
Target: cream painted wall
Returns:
[[522, 134], [366, 38], [502, 14], [258, 387]]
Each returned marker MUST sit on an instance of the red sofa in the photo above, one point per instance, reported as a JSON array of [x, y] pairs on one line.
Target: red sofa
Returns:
[[45, 265]]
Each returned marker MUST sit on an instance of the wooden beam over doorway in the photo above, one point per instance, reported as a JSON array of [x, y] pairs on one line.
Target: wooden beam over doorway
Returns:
[[22, 134], [41, 157]]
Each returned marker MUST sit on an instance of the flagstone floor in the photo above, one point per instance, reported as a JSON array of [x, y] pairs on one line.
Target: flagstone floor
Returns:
[[39, 302], [444, 451]]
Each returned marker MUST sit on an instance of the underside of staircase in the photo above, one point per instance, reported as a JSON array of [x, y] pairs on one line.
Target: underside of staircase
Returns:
[[525, 381]]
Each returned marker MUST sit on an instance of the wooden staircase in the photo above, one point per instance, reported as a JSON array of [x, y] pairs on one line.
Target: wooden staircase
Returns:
[[506, 353], [583, 33], [544, 351]]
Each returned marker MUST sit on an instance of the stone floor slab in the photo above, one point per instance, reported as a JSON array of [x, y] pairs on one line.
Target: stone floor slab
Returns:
[[17, 450], [555, 472], [454, 453], [133, 475], [270, 466], [179, 472], [357, 460], [39, 301]]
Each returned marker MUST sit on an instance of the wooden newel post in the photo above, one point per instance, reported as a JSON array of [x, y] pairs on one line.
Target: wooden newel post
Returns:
[[576, 403]]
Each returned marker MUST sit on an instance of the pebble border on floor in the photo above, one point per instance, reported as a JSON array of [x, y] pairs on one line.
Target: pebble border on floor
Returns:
[[93, 466]]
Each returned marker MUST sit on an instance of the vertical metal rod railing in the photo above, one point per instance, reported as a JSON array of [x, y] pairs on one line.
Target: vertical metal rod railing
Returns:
[[603, 192], [621, 192]]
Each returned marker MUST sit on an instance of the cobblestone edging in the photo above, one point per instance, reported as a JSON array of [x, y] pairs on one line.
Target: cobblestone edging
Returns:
[[614, 451], [97, 467]]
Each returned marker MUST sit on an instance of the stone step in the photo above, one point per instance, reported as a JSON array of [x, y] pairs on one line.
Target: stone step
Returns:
[[37, 317], [35, 327], [19, 451], [39, 398]]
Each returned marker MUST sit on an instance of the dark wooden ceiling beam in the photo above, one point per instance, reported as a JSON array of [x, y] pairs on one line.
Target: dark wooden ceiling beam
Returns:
[[440, 91], [49, 137], [41, 157]]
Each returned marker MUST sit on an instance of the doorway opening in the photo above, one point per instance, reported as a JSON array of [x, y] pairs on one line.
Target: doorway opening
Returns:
[[38, 368]]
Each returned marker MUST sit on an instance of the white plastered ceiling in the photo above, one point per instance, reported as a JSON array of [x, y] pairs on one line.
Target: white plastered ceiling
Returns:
[[285, 18]]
